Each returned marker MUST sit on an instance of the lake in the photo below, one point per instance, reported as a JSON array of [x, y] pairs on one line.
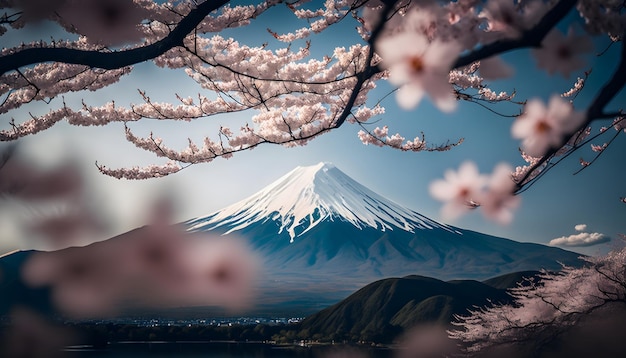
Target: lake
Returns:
[[225, 350]]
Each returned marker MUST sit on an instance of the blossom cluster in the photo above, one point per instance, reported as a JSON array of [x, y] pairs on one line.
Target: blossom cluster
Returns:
[[442, 51], [468, 189], [61, 188], [154, 266], [546, 306]]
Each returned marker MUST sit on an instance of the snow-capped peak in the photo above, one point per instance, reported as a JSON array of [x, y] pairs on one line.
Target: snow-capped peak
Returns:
[[309, 195]]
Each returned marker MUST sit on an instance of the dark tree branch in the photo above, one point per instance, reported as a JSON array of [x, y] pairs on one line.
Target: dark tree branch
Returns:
[[529, 38], [595, 111], [112, 60]]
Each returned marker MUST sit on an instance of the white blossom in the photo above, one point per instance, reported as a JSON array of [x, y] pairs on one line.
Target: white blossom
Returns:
[[499, 201], [495, 68], [419, 67], [107, 22], [543, 128], [459, 190], [561, 54]]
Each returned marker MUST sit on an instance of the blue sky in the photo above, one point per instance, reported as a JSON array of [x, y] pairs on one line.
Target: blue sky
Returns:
[[550, 209]]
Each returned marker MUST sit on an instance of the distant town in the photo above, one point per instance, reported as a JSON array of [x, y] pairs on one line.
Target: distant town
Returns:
[[217, 322]]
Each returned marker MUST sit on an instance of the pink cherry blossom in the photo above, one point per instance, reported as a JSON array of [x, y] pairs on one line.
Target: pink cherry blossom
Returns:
[[420, 67], [459, 190], [37, 10], [504, 18], [107, 22], [223, 271], [561, 54], [494, 68], [543, 128], [498, 202]]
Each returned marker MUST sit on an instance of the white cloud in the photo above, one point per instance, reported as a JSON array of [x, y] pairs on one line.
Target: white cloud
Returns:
[[580, 227], [581, 239]]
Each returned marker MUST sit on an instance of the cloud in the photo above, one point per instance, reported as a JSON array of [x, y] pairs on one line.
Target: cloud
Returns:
[[580, 239], [580, 227]]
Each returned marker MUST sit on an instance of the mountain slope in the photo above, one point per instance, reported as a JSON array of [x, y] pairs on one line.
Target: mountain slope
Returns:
[[317, 221], [14, 292], [308, 196], [381, 310]]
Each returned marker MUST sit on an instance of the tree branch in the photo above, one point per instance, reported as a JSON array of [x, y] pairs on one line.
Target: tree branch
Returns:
[[595, 111], [529, 38], [112, 60]]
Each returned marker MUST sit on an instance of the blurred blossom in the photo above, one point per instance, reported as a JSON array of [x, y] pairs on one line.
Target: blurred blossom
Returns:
[[506, 18], [426, 341], [31, 336], [543, 128], [372, 14], [458, 190], [37, 10], [56, 197], [65, 228], [468, 189], [105, 22], [559, 53], [153, 260], [499, 201], [494, 68], [25, 181], [503, 17], [84, 280], [225, 272], [345, 352], [419, 67], [155, 266]]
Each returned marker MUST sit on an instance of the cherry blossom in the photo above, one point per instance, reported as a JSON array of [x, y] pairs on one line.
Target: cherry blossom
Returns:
[[543, 128], [224, 272], [578, 86], [292, 91], [509, 19], [32, 335], [495, 68], [459, 190], [468, 189], [560, 53], [83, 283], [546, 306], [108, 22], [499, 201], [419, 67], [37, 10]]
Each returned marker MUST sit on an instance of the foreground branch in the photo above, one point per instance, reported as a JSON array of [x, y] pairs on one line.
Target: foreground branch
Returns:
[[112, 60]]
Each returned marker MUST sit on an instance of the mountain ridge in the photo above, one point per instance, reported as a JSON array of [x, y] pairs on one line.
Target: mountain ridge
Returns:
[[306, 196], [319, 221]]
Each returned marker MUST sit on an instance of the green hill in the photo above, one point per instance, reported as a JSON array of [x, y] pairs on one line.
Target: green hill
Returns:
[[381, 310]]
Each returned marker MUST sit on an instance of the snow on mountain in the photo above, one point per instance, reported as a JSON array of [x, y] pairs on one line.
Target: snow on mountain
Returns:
[[309, 195]]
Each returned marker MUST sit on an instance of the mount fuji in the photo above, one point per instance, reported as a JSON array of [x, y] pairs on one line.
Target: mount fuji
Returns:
[[317, 224]]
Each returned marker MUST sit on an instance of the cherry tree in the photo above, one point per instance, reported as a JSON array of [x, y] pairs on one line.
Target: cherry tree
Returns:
[[427, 50], [546, 306], [440, 51]]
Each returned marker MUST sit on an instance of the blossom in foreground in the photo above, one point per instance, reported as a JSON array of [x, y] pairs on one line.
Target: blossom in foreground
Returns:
[[498, 202], [83, 280], [494, 68], [458, 190], [543, 128], [559, 53], [223, 273], [504, 18], [32, 335], [37, 10], [419, 67], [468, 189], [106, 22]]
